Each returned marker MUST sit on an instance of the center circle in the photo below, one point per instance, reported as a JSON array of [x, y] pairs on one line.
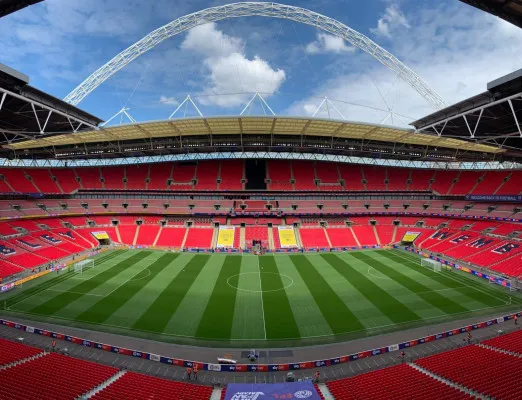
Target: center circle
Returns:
[[254, 285]]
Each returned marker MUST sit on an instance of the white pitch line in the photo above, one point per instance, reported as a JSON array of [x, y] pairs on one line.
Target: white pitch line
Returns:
[[68, 291], [456, 280], [123, 283], [261, 291]]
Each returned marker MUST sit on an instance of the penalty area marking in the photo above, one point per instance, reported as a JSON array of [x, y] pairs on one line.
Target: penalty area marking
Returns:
[[259, 275], [143, 277], [377, 276]]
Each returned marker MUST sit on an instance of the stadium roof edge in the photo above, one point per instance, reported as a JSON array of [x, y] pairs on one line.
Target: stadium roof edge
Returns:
[[253, 125], [220, 155]]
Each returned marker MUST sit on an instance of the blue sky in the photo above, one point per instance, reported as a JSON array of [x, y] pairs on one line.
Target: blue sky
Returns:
[[453, 47]]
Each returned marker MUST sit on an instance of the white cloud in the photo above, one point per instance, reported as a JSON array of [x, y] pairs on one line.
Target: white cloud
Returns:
[[326, 43], [228, 69], [455, 48], [168, 100], [392, 19]]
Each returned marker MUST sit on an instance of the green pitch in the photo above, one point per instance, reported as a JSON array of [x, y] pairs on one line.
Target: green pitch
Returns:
[[287, 299]]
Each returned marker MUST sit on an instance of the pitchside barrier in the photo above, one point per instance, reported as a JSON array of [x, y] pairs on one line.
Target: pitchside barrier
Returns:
[[259, 367]]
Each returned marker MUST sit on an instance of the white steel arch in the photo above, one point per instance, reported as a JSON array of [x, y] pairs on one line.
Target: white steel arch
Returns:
[[245, 9]]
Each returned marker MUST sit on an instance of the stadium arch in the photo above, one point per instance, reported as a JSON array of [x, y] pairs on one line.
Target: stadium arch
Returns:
[[263, 9]]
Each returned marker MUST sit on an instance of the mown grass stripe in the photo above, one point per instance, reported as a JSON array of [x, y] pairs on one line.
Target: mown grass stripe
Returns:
[[158, 314], [437, 300], [218, 316], [103, 309], [63, 299], [387, 304], [474, 290], [279, 318], [26, 293], [340, 318]]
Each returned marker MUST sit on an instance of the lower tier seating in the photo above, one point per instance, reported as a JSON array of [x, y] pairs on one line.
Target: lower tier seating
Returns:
[[399, 382], [199, 238], [137, 386], [13, 351], [52, 377], [487, 371], [511, 342], [313, 238]]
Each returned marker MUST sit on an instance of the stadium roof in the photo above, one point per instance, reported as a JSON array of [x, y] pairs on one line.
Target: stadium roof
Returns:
[[10, 6], [509, 10], [254, 132], [493, 117], [26, 112]]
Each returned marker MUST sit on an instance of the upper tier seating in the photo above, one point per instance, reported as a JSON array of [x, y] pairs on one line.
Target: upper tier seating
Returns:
[[231, 173], [375, 178], [207, 175], [136, 176], [304, 175], [280, 172], [352, 177], [89, 178], [138, 387], [113, 177], [66, 178], [42, 180], [393, 383], [159, 175], [489, 372]]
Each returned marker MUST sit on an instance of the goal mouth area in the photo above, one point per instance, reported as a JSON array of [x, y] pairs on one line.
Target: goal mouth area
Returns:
[[432, 264]]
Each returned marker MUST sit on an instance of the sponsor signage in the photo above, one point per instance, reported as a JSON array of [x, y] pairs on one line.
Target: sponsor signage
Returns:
[[495, 198], [260, 367], [270, 391]]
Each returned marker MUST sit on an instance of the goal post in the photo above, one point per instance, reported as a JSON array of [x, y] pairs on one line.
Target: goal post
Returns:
[[83, 265], [431, 264]]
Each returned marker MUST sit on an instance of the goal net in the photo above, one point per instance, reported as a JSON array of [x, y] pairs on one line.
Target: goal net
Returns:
[[83, 265], [432, 264]]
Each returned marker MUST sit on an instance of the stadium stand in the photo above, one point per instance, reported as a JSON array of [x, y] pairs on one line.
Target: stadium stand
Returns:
[[511, 342], [231, 173], [136, 176], [304, 175], [160, 174], [487, 371], [89, 178], [398, 382], [113, 178], [12, 351], [314, 238], [365, 235], [280, 174], [341, 237], [207, 175], [137, 386], [199, 238], [40, 378], [171, 237]]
